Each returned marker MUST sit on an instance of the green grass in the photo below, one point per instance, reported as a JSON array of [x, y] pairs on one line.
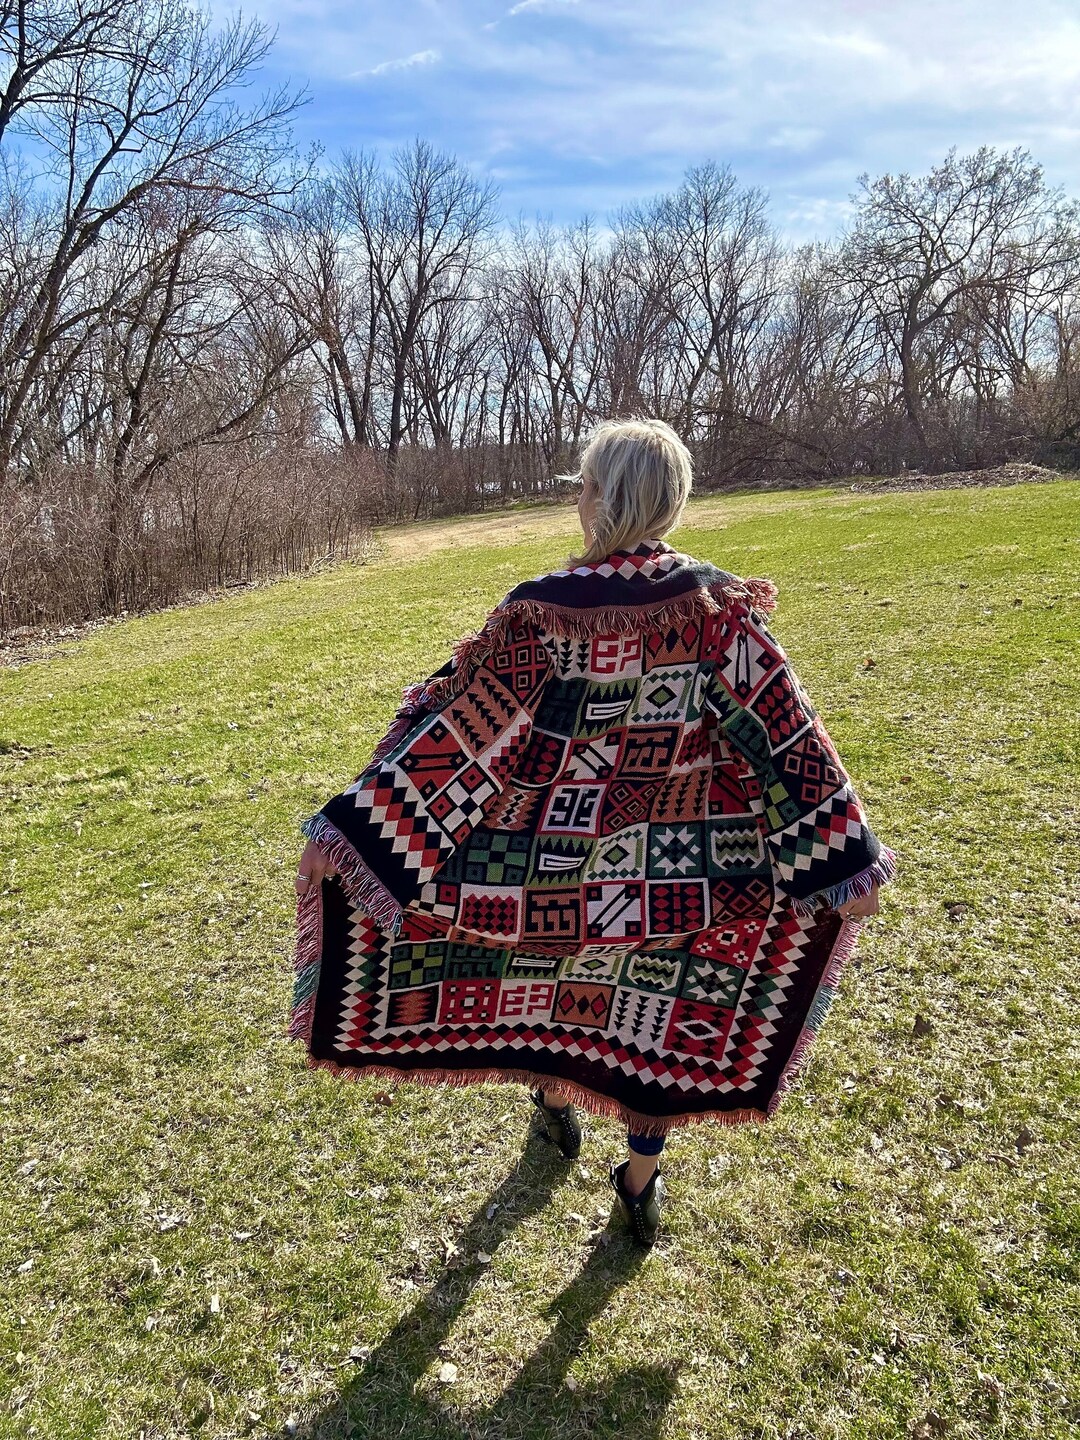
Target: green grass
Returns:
[[894, 1255]]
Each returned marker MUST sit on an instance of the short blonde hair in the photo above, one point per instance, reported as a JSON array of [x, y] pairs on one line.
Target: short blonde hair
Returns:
[[642, 474]]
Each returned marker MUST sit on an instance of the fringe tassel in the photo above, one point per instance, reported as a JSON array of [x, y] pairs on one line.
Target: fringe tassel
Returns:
[[307, 963], [846, 940], [569, 621], [760, 594], [587, 1099], [401, 724], [883, 869], [362, 885]]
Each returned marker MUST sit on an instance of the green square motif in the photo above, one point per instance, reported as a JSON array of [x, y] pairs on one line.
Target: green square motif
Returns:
[[474, 962], [496, 857], [416, 964], [676, 851]]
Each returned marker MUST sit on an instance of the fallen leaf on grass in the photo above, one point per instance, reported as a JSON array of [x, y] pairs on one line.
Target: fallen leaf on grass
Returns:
[[169, 1220], [451, 1252], [991, 1384], [1024, 1140]]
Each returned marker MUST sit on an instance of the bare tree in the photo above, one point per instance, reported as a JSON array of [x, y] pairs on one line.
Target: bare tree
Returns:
[[427, 227], [933, 257], [322, 278], [43, 45], [146, 118]]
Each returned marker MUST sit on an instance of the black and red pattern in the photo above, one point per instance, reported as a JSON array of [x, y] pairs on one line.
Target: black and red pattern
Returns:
[[601, 846]]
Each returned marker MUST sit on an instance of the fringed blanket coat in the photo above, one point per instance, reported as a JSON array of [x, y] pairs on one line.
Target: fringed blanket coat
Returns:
[[599, 849]]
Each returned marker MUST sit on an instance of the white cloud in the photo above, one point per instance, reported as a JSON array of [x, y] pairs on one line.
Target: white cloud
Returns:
[[799, 96], [421, 57], [523, 5]]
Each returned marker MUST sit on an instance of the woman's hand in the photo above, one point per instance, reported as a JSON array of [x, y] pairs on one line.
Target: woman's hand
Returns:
[[313, 870], [861, 907]]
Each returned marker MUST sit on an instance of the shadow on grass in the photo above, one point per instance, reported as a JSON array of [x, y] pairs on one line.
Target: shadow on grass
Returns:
[[378, 1401]]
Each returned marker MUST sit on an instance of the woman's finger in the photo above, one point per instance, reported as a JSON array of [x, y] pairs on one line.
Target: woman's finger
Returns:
[[313, 867], [862, 906]]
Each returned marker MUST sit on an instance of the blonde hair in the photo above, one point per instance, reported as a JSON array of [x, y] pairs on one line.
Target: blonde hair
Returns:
[[642, 474]]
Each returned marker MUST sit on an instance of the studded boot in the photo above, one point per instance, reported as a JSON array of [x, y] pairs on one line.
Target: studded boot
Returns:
[[562, 1126], [642, 1211]]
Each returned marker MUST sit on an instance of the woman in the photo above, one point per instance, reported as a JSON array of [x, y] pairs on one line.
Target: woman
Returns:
[[607, 849]]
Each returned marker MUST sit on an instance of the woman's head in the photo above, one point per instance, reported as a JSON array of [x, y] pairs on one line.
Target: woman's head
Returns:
[[636, 476]]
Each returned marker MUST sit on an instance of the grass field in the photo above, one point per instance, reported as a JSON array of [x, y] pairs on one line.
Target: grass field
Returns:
[[202, 1238]]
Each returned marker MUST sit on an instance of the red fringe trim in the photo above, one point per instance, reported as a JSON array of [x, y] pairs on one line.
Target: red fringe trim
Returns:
[[759, 593], [471, 650], [361, 884], [309, 954], [587, 1099], [880, 872], [308, 957], [846, 940], [401, 724]]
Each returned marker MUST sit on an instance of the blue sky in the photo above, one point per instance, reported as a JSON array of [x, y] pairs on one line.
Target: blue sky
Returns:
[[577, 106]]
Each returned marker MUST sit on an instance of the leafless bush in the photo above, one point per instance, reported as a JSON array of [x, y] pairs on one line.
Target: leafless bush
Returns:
[[211, 518]]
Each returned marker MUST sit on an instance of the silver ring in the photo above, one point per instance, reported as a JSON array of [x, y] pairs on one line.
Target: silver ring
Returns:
[[303, 877]]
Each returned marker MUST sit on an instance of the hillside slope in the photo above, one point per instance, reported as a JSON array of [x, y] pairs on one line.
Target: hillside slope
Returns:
[[898, 1249]]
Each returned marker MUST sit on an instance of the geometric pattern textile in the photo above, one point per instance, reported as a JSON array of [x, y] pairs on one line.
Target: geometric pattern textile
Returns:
[[601, 848]]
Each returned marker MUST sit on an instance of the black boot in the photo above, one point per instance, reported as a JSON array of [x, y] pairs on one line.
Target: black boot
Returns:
[[563, 1126], [642, 1211]]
